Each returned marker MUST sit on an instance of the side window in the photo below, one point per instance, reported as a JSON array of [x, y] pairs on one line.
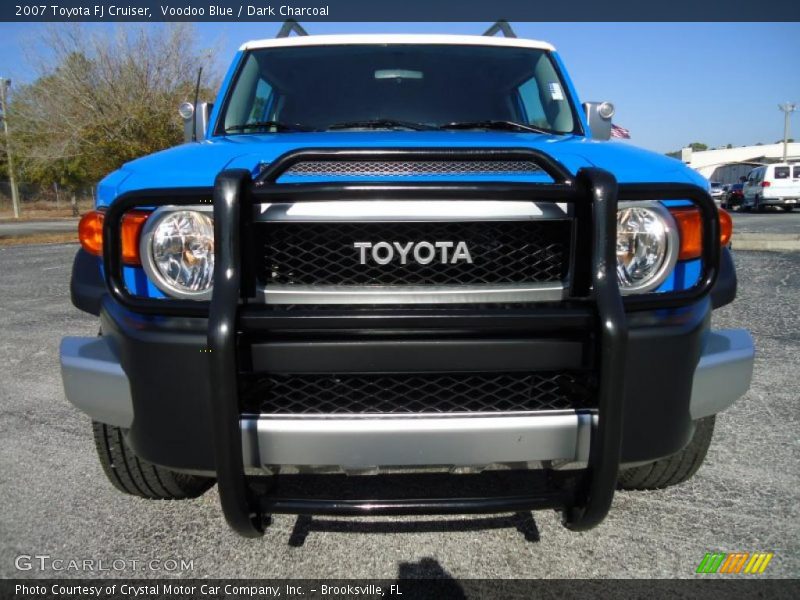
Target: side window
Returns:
[[532, 103], [781, 172], [796, 173], [252, 97], [544, 99], [262, 102]]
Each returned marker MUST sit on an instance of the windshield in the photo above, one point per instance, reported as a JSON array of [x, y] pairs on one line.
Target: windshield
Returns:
[[410, 86]]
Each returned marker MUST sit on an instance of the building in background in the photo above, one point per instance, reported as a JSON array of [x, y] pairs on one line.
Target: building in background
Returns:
[[728, 164]]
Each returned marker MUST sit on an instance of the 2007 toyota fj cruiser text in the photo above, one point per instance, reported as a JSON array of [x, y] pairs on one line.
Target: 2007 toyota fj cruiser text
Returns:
[[412, 257]]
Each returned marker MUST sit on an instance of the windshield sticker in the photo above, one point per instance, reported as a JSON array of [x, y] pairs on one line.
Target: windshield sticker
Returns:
[[556, 93]]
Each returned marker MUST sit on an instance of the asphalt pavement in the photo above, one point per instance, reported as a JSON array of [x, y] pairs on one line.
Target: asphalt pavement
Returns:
[[55, 500], [13, 227], [772, 222]]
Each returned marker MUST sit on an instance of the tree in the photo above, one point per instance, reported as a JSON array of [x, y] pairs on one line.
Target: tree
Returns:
[[103, 100], [695, 146]]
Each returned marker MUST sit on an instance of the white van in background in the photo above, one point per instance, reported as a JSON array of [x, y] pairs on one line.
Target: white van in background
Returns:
[[772, 185]]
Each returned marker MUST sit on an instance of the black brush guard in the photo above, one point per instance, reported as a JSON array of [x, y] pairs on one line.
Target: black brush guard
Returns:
[[594, 195]]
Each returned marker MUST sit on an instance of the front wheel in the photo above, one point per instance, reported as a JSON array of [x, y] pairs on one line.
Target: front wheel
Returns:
[[787, 208], [674, 469], [138, 477]]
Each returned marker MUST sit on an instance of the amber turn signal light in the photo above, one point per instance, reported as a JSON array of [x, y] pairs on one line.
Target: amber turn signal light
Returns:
[[690, 228], [725, 227], [90, 234]]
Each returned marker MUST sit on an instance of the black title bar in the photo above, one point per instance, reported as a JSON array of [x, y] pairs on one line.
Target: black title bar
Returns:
[[406, 587], [384, 10]]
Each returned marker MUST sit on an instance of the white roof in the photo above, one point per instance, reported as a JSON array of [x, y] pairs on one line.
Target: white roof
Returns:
[[394, 38]]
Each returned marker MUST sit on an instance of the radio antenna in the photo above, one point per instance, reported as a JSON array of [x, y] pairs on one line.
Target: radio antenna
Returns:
[[196, 98]]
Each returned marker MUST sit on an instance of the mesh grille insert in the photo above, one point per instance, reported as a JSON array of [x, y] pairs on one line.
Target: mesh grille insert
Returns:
[[501, 252], [415, 393], [403, 168]]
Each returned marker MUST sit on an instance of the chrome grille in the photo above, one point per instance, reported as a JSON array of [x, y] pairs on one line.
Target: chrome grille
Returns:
[[503, 252]]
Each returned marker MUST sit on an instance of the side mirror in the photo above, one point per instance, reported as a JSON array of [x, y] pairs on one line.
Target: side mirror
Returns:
[[195, 119], [598, 115]]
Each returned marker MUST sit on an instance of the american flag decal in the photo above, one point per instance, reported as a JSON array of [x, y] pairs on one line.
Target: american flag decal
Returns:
[[620, 132]]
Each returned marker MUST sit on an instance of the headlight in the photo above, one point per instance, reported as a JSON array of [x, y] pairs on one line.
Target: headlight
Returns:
[[647, 247], [178, 252]]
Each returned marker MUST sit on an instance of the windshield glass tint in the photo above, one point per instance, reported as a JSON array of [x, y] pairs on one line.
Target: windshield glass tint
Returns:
[[316, 87]]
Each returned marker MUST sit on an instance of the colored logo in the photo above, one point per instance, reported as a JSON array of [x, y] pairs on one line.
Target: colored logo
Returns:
[[735, 562]]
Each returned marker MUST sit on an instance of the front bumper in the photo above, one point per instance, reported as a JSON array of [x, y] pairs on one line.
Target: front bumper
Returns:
[[787, 201], [640, 352], [96, 383]]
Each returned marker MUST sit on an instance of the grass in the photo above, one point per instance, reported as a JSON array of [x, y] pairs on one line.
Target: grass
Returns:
[[40, 210], [38, 238]]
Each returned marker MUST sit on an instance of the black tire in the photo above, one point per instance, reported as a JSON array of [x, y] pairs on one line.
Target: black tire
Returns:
[[787, 208], [760, 207], [137, 477], [674, 469]]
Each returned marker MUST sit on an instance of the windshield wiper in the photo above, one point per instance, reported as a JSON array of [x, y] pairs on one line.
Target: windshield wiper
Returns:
[[380, 124], [492, 124], [276, 125]]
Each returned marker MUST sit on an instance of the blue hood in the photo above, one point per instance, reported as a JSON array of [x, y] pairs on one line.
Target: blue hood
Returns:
[[197, 164]]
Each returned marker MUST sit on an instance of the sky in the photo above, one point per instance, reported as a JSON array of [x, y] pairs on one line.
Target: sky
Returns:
[[672, 83]]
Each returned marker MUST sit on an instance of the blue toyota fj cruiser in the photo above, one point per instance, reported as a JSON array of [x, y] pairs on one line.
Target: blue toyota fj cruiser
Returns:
[[403, 274]]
